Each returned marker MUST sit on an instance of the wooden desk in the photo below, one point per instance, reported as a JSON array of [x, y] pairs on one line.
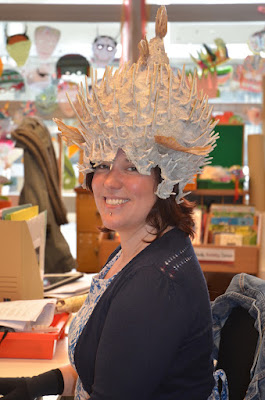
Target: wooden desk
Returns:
[[16, 367]]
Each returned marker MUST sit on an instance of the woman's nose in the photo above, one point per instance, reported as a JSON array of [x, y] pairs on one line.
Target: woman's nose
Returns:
[[113, 179]]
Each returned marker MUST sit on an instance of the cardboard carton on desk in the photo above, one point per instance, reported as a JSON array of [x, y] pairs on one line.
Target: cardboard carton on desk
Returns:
[[22, 258], [36, 345]]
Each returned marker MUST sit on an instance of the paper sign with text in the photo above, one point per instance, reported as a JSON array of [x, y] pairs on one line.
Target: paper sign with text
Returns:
[[217, 255]]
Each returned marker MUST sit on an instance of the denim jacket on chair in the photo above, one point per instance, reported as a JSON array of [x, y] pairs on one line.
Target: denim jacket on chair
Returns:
[[248, 292]]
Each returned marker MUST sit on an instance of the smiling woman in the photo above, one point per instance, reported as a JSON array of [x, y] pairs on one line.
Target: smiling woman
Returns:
[[144, 330]]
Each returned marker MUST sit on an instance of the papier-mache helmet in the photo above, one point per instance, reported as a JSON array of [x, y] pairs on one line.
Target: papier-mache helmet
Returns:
[[156, 117]]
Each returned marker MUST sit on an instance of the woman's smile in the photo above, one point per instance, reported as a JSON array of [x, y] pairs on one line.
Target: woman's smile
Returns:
[[115, 201]]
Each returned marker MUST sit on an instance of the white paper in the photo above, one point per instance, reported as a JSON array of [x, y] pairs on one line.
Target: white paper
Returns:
[[75, 288], [37, 230], [25, 314]]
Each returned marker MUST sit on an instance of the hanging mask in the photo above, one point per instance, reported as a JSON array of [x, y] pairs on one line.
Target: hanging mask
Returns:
[[18, 47], [72, 64], [39, 78], [46, 39], [104, 50], [256, 42], [11, 81]]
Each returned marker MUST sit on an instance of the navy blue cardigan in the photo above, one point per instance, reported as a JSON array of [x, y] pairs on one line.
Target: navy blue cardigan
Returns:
[[150, 335]]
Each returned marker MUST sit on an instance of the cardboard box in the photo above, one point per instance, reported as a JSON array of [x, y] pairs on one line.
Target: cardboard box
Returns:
[[33, 345], [22, 258]]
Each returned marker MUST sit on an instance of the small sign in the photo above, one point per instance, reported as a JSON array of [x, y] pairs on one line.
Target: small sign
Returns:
[[214, 254]]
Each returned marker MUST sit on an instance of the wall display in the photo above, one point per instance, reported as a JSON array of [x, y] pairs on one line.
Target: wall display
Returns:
[[46, 39]]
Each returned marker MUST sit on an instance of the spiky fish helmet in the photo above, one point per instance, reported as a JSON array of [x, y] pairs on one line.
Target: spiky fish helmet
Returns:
[[156, 117]]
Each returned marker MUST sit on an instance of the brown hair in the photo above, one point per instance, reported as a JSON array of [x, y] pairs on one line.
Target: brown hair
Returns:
[[165, 212]]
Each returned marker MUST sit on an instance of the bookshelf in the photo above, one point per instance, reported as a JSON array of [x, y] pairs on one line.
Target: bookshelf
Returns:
[[222, 194]]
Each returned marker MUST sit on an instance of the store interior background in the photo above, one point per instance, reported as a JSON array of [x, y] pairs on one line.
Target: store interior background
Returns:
[[191, 24]]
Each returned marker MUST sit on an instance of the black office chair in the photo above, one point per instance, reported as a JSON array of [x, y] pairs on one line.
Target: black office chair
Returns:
[[237, 351]]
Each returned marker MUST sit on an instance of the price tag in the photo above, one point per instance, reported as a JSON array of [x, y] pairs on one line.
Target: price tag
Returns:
[[214, 254]]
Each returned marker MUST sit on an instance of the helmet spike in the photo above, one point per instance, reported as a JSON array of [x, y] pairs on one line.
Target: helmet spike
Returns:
[[183, 77], [161, 22], [169, 94], [75, 111], [133, 82], [87, 88], [100, 105], [193, 109], [155, 109]]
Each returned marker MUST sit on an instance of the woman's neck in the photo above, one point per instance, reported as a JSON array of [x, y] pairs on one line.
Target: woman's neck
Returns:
[[133, 244]]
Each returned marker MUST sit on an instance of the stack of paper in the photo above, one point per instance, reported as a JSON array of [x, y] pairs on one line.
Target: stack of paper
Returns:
[[19, 213], [27, 315], [75, 288]]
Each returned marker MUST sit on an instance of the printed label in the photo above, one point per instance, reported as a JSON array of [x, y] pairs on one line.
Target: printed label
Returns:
[[221, 255]]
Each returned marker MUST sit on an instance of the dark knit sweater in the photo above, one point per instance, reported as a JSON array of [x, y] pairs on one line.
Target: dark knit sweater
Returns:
[[150, 335]]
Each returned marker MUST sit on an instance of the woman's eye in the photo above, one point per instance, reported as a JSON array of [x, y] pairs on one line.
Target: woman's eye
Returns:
[[102, 167], [132, 169]]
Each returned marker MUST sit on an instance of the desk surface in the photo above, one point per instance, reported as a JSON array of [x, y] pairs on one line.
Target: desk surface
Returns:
[[14, 367]]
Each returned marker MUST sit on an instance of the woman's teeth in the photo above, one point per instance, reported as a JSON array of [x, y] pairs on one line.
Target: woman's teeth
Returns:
[[115, 201]]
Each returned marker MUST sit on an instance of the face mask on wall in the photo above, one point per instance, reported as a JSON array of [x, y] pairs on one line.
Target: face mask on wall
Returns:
[[104, 50], [46, 39], [18, 46]]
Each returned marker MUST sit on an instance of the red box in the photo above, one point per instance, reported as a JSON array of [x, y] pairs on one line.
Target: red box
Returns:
[[33, 345]]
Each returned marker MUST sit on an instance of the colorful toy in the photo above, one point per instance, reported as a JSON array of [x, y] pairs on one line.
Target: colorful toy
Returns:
[[212, 58]]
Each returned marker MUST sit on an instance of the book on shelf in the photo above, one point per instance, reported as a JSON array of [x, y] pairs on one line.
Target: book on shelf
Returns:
[[200, 218], [197, 218], [232, 225]]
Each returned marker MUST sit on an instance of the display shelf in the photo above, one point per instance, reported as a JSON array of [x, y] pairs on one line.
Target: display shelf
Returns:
[[219, 192], [205, 196]]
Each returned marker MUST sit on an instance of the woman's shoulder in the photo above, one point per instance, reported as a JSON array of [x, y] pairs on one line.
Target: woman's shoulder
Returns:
[[172, 254]]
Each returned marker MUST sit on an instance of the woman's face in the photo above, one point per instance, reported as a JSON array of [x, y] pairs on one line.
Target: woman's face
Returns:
[[123, 196]]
